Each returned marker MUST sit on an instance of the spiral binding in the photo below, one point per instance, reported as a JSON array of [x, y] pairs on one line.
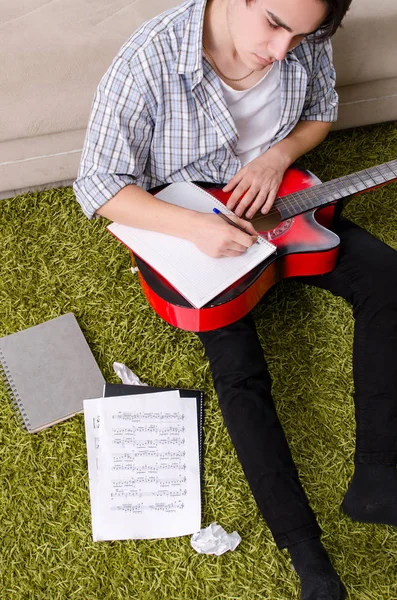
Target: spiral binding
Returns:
[[15, 398], [201, 429]]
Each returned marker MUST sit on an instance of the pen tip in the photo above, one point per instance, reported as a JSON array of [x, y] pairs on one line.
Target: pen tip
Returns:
[[216, 211]]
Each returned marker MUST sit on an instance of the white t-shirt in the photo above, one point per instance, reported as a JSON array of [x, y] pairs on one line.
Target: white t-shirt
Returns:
[[256, 113]]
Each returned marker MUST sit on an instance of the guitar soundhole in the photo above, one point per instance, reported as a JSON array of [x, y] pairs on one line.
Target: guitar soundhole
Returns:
[[271, 226], [265, 222]]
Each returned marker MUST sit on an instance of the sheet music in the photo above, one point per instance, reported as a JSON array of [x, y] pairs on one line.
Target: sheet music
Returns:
[[143, 464], [197, 276]]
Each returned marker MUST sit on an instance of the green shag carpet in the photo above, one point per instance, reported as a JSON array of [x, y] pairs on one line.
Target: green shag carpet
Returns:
[[53, 260]]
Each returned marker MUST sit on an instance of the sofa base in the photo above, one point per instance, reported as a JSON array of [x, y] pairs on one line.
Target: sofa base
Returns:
[[33, 163], [367, 103]]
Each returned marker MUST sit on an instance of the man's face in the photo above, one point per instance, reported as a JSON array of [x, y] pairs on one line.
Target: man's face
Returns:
[[265, 30]]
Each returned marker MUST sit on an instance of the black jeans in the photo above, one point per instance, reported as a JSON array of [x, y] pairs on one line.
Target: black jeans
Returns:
[[366, 276]]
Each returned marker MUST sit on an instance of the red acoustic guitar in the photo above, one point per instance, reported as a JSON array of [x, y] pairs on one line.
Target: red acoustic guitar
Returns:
[[299, 224]]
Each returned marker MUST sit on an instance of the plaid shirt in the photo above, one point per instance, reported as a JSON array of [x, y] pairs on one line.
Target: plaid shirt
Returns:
[[159, 114]]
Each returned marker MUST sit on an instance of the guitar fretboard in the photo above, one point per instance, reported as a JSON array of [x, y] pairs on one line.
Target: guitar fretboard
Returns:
[[336, 189]]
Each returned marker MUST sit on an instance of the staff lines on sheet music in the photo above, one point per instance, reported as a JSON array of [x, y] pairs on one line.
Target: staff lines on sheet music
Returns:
[[149, 429], [151, 416], [129, 483], [140, 494], [162, 438], [140, 507], [159, 455], [148, 468], [154, 443], [130, 456], [161, 481]]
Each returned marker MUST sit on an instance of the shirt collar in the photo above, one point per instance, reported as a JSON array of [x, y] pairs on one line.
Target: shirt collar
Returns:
[[190, 59], [291, 58]]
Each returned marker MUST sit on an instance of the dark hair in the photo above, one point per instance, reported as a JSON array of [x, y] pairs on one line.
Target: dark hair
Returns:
[[336, 12]]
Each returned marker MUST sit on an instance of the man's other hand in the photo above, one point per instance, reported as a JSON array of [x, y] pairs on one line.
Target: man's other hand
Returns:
[[256, 185]]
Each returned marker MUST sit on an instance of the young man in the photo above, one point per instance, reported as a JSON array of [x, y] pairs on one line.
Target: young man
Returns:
[[234, 91]]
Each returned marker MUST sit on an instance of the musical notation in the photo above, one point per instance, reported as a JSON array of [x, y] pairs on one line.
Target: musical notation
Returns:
[[158, 429], [163, 482], [141, 466], [142, 494], [149, 416], [157, 506], [155, 453], [130, 483], [117, 466], [151, 442], [143, 460]]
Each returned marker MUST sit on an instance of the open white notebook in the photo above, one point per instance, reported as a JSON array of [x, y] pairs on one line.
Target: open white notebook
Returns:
[[197, 276]]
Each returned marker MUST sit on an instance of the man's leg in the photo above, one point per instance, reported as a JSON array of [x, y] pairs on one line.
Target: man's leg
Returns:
[[366, 276], [243, 386]]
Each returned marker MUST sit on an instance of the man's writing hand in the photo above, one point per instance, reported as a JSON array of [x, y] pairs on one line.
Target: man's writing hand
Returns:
[[258, 181], [216, 238]]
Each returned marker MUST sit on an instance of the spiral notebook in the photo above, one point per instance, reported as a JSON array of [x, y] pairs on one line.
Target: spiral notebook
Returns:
[[197, 276], [49, 370]]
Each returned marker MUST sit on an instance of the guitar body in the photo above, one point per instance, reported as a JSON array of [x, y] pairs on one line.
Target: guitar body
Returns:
[[305, 246]]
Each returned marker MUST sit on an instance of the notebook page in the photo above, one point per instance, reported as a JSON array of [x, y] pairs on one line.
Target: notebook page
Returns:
[[143, 466], [197, 276]]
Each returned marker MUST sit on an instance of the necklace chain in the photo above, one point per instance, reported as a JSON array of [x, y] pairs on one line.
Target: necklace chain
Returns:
[[220, 72]]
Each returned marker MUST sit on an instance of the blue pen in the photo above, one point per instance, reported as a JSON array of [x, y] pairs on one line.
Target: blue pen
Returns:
[[226, 218]]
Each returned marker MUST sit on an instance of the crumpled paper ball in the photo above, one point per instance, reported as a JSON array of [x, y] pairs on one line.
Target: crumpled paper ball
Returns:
[[126, 375], [214, 540]]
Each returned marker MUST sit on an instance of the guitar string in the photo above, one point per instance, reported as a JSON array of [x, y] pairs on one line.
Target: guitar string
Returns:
[[369, 181], [295, 198]]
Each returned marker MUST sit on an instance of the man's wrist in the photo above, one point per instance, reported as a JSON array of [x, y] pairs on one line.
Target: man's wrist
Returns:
[[278, 156]]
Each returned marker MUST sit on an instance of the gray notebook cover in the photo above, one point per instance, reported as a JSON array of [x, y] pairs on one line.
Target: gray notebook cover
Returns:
[[49, 370]]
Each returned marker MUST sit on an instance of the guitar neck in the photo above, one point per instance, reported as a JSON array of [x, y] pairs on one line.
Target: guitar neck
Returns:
[[336, 189]]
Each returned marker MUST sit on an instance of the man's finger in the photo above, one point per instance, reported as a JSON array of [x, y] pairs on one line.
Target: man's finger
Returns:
[[249, 228], [257, 205], [269, 201], [239, 246], [235, 197], [249, 196], [233, 182], [246, 225], [233, 252]]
